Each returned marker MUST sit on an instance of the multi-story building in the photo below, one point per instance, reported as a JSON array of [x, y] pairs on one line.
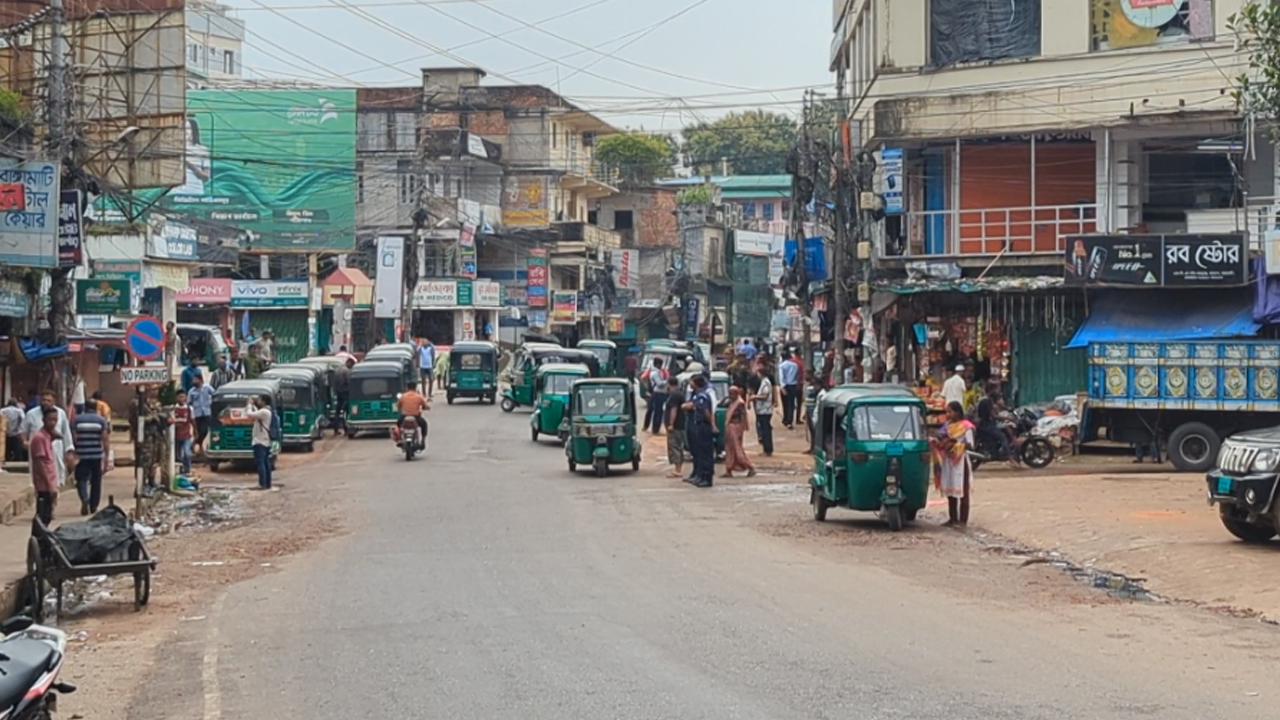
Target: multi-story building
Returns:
[[215, 41], [1002, 130]]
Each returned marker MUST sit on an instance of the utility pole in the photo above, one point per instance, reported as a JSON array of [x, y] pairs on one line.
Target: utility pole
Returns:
[[57, 102], [801, 192], [844, 198]]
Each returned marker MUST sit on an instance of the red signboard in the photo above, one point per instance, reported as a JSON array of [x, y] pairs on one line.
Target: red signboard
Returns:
[[13, 197], [536, 278], [206, 291]]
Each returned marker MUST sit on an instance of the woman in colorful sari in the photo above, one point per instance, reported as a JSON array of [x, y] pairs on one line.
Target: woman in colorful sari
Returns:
[[735, 456], [955, 474]]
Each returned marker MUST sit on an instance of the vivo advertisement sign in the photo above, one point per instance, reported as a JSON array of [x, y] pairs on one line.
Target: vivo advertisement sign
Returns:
[[269, 294]]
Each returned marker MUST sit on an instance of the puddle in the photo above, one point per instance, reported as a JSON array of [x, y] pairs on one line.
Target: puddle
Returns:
[[772, 492], [1114, 584]]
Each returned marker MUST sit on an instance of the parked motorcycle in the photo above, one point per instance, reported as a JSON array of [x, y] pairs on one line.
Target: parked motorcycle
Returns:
[[1033, 451], [31, 657], [408, 439]]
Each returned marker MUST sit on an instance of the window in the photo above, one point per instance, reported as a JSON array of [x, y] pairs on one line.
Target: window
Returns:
[[623, 220], [405, 131], [409, 182], [767, 210], [228, 62], [555, 134], [359, 182], [748, 209], [371, 132], [962, 31], [193, 53]]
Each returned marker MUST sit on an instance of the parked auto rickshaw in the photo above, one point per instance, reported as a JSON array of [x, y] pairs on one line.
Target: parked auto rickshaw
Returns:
[[371, 403], [473, 372], [230, 429], [404, 353], [602, 421], [328, 363], [553, 384], [674, 360], [606, 352], [519, 374], [303, 408], [871, 453], [203, 343]]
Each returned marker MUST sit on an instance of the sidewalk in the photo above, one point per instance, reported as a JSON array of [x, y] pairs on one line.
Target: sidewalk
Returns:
[[1153, 526]]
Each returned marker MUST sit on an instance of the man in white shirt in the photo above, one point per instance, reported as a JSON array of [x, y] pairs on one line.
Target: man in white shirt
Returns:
[[954, 388], [763, 406], [34, 421], [260, 413]]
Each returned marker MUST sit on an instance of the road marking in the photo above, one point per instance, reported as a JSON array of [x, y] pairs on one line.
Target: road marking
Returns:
[[209, 669]]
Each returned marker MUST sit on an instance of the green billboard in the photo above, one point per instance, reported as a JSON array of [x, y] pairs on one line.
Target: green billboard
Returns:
[[278, 163]]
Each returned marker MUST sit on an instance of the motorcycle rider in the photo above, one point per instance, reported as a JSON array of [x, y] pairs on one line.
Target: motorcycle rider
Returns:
[[413, 404], [989, 429]]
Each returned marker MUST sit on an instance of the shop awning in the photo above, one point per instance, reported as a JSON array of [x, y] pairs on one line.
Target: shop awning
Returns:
[[1161, 316]]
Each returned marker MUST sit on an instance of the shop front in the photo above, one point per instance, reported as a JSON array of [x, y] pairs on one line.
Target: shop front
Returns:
[[346, 317], [456, 310], [206, 301], [278, 306]]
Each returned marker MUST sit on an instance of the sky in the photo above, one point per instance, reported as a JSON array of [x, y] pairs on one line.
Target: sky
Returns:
[[641, 64]]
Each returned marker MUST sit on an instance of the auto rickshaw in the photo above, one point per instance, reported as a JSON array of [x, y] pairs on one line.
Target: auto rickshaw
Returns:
[[473, 372], [674, 361], [602, 421], [230, 429], [328, 363], [404, 353], [607, 352], [553, 384], [303, 410], [375, 387], [871, 453], [519, 374]]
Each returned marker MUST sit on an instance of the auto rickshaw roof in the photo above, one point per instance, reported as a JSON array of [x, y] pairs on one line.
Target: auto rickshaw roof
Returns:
[[563, 369], [390, 351], [620, 382], [884, 394], [256, 386], [395, 346], [474, 347], [720, 376], [321, 360], [597, 344], [377, 368], [309, 373]]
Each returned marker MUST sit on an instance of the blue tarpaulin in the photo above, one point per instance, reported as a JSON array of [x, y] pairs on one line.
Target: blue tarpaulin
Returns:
[[1159, 316], [815, 257]]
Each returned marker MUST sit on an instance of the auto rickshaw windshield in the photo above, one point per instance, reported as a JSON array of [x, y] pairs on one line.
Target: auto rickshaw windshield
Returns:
[[602, 353], [371, 387], [558, 384], [721, 390], [887, 422], [230, 407], [470, 361], [602, 400]]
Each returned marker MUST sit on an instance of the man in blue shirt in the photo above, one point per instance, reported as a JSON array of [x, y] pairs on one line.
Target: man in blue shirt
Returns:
[[427, 366], [92, 432], [748, 350], [201, 399], [789, 380], [702, 432], [189, 374]]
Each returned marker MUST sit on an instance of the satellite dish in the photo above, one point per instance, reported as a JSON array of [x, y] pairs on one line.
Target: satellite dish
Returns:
[[1150, 13]]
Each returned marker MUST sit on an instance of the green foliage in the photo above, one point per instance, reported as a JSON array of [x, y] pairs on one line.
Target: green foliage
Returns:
[[694, 195], [1258, 26], [754, 142], [13, 113], [637, 156]]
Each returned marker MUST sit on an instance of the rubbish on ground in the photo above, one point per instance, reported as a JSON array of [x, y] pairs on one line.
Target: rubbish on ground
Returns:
[[209, 563]]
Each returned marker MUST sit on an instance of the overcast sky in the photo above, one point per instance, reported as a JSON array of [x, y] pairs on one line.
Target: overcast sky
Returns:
[[651, 63]]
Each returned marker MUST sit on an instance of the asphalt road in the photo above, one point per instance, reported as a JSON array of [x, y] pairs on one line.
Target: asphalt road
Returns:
[[484, 581]]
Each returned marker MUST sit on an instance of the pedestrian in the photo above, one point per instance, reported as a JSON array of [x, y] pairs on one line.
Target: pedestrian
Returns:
[[1142, 450], [702, 421], [77, 390], [342, 391], [64, 444], [735, 423], [953, 390], [789, 379], [261, 414], [674, 419], [235, 366], [33, 401], [103, 408], [740, 372], [183, 422], [763, 401], [954, 472], [268, 346], [93, 446], [201, 400], [189, 374], [154, 443], [14, 450], [630, 364], [656, 377], [748, 350], [427, 366], [222, 373], [254, 363], [44, 466]]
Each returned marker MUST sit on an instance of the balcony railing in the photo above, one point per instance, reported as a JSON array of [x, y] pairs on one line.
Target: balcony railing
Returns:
[[1040, 230]]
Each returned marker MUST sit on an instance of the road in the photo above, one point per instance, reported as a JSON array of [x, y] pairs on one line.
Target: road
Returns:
[[484, 581]]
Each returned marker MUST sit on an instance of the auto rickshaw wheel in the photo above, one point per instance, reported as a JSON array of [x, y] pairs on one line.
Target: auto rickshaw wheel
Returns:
[[351, 432], [309, 446], [448, 398], [602, 467], [910, 515], [508, 405], [820, 505], [214, 465], [893, 516], [635, 464], [573, 466], [533, 434]]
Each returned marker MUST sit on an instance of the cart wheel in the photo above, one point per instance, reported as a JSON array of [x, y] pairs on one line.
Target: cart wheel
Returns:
[[893, 516], [35, 571], [602, 467], [635, 464], [820, 505], [141, 589], [214, 465], [508, 405]]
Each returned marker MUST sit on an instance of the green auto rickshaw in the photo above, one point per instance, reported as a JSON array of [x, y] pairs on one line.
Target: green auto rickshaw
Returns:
[[403, 353], [871, 453], [554, 383], [372, 395], [230, 429], [329, 364], [602, 421], [303, 408], [606, 351], [473, 372], [524, 364], [674, 361]]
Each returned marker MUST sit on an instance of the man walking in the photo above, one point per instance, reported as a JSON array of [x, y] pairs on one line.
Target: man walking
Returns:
[[789, 379], [954, 389], [674, 418], [63, 444], [261, 414], [44, 466], [13, 414], [254, 365], [427, 366], [762, 401], [235, 366], [201, 400], [342, 391], [657, 378], [92, 438], [702, 437]]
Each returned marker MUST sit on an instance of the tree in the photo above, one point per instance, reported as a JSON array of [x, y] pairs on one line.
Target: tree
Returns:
[[1258, 92], [638, 157], [754, 142]]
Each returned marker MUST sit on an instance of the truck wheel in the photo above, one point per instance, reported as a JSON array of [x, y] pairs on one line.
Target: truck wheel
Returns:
[[1193, 447], [1247, 532]]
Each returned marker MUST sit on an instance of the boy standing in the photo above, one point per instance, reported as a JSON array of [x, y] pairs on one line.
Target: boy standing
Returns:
[[44, 466], [183, 431]]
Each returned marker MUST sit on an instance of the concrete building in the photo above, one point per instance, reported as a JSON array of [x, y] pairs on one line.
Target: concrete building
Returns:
[[215, 41], [1003, 129]]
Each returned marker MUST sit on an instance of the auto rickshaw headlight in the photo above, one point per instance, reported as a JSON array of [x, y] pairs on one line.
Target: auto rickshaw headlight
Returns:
[[215, 436], [891, 491], [602, 441]]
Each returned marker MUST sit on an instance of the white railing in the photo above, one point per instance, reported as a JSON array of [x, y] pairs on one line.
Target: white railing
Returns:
[[1038, 230]]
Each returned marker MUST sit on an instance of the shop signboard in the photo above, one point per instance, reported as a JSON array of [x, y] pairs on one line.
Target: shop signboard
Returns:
[[891, 180], [467, 251], [269, 294], [515, 295], [103, 297], [174, 241], [537, 318], [1157, 260], [145, 375], [524, 201], [436, 294], [13, 299], [488, 293], [626, 269], [29, 200], [757, 244], [564, 308], [130, 270], [70, 229], [536, 278], [278, 163], [691, 308], [165, 275], [466, 295], [389, 280], [206, 291]]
